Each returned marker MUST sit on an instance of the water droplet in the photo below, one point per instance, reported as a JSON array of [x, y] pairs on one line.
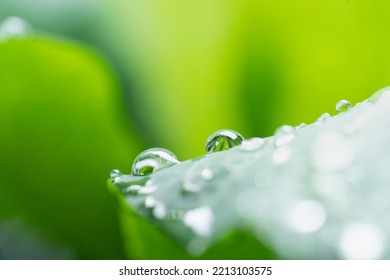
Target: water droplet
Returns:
[[252, 144], [378, 95], [14, 27], [308, 216], [321, 119], [207, 174], [223, 140], [197, 177], [159, 211], [361, 241], [284, 135], [300, 126], [150, 202], [192, 187], [116, 179], [152, 160], [343, 105], [282, 154], [200, 220], [149, 188], [332, 152], [115, 173], [133, 189]]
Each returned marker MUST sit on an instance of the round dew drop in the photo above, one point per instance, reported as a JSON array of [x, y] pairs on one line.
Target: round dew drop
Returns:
[[152, 160], [343, 105], [321, 119], [284, 135], [222, 140], [115, 173], [300, 126]]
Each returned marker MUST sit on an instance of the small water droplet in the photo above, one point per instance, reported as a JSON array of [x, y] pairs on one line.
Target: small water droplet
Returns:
[[361, 241], [252, 144], [197, 177], [134, 189], [207, 174], [378, 95], [116, 179], [308, 216], [200, 220], [282, 154], [284, 135], [223, 140], [14, 27], [300, 126], [192, 187], [150, 202], [321, 119], [159, 211], [115, 173], [149, 188], [152, 160], [343, 105]]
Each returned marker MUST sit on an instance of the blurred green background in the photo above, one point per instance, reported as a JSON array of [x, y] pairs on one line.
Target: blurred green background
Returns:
[[97, 82]]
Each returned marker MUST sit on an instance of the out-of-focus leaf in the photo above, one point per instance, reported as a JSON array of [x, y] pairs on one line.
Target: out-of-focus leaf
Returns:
[[199, 66], [62, 130]]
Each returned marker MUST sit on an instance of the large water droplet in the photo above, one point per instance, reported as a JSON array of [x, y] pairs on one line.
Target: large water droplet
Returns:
[[200, 220], [343, 105], [115, 173], [361, 241], [14, 27], [223, 140], [152, 160], [284, 135]]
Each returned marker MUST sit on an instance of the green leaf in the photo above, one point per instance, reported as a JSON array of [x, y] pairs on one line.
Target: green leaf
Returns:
[[315, 192], [62, 129]]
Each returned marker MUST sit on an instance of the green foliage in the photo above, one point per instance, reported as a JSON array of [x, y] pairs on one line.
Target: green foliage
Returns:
[[61, 132], [185, 69], [200, 66]]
